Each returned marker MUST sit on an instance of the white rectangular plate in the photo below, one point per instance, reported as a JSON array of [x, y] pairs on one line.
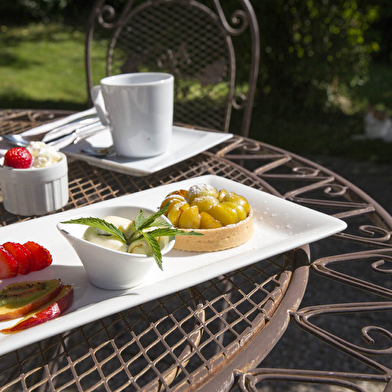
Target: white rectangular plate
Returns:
[[279, 226], [185, 144]]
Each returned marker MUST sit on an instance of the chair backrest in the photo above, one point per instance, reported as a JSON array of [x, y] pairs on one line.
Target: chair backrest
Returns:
[[214, 58]]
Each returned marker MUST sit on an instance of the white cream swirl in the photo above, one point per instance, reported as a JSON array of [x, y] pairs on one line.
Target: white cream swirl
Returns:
[[43, 155]]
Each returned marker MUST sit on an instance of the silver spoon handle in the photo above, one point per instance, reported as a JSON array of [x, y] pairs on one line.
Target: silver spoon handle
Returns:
[[60, 131], [77, 135]]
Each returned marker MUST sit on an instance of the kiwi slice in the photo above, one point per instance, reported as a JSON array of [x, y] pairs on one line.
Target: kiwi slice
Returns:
[[19, 294]]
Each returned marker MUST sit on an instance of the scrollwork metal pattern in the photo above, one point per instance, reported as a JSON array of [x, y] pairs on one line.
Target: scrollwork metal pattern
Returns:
[[364, 270], [252, 381], [369, 226], [239, 18], [106, 16], [188, 39]]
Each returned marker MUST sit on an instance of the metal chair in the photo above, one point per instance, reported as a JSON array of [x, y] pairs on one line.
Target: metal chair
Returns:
[[196, 43]]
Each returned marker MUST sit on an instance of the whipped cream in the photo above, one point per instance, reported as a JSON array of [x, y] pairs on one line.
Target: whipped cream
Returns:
[[43, 155]]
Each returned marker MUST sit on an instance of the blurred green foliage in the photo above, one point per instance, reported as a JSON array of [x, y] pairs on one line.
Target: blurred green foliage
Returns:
[[322, 62], [19, 12], [311, 50]]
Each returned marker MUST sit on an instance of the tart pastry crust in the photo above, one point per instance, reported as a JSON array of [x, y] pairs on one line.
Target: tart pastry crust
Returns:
[[217, 239]]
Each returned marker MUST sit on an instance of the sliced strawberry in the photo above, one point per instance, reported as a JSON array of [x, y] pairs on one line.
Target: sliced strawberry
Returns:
[[31, 257], [42, 257], [8, 265], [21, 255]]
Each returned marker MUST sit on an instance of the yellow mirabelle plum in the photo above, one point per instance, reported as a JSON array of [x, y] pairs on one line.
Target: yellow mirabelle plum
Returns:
[[222, 194], [237, 199], [176, 211], [201, 190], [172, 199], [208, 222], [189, 218], [180, 192], [204, 203], [224, 214], [203, 206], [239, 208]]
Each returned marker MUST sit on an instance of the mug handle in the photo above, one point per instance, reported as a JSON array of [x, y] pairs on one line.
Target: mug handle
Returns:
[[99, 103]]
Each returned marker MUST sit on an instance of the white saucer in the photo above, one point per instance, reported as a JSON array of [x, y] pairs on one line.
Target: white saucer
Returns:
[[186, 143]]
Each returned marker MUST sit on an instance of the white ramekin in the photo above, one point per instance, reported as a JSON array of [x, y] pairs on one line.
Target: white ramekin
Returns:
[[35, 191]]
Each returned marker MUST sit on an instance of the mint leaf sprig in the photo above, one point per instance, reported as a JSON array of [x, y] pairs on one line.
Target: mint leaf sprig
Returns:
[[100, 224], [148, 228]]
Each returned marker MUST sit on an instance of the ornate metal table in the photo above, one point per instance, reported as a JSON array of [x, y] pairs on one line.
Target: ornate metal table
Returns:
[[221, 334]]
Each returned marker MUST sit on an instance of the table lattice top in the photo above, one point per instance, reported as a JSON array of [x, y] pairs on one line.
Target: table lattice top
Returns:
[[221, 330]]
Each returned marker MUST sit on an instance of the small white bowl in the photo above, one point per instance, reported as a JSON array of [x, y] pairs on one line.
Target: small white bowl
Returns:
[[35, 191], [106, 268]]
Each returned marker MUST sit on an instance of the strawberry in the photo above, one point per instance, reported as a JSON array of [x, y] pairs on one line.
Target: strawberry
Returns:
[[22, 256], [8, 265], [42, 257], [18, 158]]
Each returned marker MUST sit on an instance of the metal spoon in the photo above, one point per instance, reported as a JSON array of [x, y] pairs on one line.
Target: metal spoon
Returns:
[[16, 140], [99, 152], [24, 140], [61, 141]]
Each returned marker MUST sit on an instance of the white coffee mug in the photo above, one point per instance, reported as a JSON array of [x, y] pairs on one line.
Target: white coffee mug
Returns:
[[139, 110]]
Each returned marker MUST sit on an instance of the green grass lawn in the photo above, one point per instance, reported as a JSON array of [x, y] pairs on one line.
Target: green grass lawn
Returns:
[[42, 66]]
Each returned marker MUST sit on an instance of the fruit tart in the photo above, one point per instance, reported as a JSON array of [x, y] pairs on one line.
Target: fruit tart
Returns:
[[224, 218]]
